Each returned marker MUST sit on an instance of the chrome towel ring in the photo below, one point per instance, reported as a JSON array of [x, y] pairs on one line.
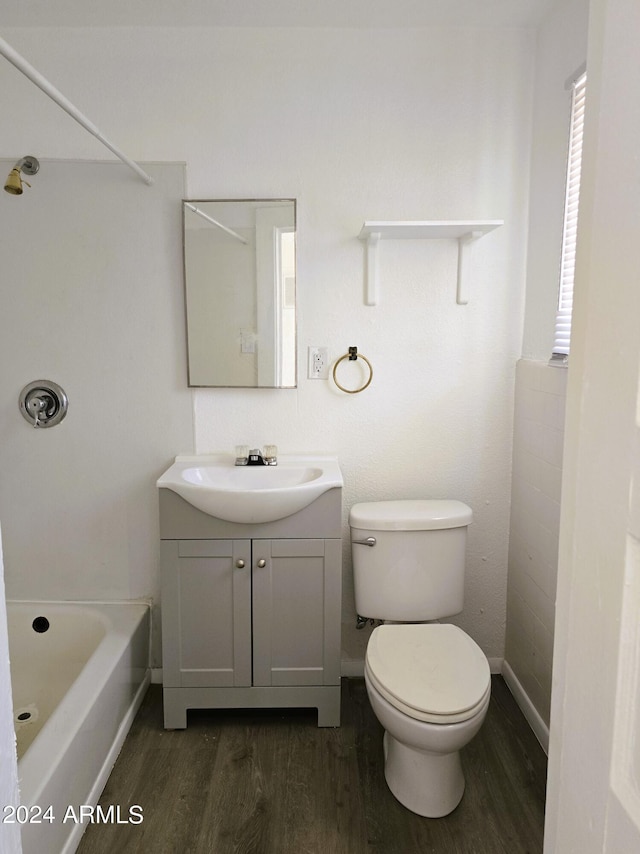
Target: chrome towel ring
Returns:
[[352, 355]]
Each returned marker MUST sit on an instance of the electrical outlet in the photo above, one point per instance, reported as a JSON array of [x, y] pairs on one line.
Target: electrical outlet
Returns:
[[318, 363]]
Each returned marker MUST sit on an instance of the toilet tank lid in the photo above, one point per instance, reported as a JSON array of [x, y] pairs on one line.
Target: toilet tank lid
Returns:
[[410, 515]]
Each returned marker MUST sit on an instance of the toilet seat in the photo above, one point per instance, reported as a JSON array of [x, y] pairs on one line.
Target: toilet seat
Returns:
[[432, 672]]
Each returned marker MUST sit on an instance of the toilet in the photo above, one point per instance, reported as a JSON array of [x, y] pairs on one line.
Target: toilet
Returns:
[[428, 683]]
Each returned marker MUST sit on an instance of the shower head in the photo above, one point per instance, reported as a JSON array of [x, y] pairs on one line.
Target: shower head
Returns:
[[14, 183], [29, 165]]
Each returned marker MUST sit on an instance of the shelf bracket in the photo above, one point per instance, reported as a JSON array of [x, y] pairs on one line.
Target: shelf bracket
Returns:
[[371, 273], [462, 289]]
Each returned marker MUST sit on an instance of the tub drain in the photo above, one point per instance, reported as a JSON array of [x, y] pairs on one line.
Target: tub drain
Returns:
[[26, 715]]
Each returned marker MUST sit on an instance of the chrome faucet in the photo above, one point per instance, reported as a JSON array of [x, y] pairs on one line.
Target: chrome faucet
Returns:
[[256, 457]]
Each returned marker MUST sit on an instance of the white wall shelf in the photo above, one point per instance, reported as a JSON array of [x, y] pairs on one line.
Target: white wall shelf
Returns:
[[463, 231]]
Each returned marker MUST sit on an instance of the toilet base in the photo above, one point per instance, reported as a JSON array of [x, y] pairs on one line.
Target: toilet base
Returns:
[[429, 784]]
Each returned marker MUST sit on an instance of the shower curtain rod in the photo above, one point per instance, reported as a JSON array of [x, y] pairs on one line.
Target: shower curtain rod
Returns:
[[215, 222], [42, 83]]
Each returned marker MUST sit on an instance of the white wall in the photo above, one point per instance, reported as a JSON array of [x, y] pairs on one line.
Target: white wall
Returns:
[[540, 389], [355, 124], [416, 134], [92, 299], [533, 535]]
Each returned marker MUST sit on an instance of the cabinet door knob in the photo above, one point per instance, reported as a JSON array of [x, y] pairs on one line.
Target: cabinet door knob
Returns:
[[262, 563], [240, 563]]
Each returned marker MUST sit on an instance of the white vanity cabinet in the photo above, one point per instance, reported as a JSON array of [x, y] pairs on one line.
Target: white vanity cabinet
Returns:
[[251, 612]]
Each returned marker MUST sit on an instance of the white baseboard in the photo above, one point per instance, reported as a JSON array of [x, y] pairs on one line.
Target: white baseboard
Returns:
[[539, 727]]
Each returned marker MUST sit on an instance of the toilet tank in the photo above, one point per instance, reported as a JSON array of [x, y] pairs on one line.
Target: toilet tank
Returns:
[[415, 570]]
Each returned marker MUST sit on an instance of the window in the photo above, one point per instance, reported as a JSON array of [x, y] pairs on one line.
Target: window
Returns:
[[562, 339]]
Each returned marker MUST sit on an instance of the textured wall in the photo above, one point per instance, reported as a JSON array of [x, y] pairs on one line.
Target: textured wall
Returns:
[[355, 124], [535, 527], [424, 136]]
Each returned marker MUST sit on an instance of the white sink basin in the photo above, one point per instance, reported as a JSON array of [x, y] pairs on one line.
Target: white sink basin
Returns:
[[251, 494]]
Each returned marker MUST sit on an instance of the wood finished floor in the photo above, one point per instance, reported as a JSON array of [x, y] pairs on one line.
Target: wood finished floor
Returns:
[[272, 782]]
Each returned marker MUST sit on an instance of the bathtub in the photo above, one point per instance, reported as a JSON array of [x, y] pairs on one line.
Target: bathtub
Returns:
[[79, 672]]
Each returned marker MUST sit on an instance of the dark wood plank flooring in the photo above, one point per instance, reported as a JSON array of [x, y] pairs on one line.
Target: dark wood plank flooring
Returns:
[[272, 782]]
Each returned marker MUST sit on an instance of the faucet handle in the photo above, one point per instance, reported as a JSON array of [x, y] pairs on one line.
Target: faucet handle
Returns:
[[242, 455], [271, 455], [37, 406]]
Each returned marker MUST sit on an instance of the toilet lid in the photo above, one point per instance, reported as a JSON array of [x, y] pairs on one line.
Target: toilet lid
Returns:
[[433, 672], [410, 515]]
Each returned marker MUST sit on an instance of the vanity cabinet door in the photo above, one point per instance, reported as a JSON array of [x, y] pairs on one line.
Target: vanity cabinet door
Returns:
[[296, 612], [206, 613]]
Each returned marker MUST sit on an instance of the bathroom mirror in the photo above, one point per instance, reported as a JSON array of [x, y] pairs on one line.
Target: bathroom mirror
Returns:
[[240, 283]]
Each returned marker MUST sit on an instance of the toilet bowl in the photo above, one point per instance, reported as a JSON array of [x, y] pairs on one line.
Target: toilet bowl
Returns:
[[430, 687]]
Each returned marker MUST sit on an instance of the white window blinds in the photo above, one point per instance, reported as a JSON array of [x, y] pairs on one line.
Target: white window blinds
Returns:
[[562, 339]]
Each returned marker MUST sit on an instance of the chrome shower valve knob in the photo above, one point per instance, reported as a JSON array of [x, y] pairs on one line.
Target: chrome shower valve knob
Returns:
[[43, 403]]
